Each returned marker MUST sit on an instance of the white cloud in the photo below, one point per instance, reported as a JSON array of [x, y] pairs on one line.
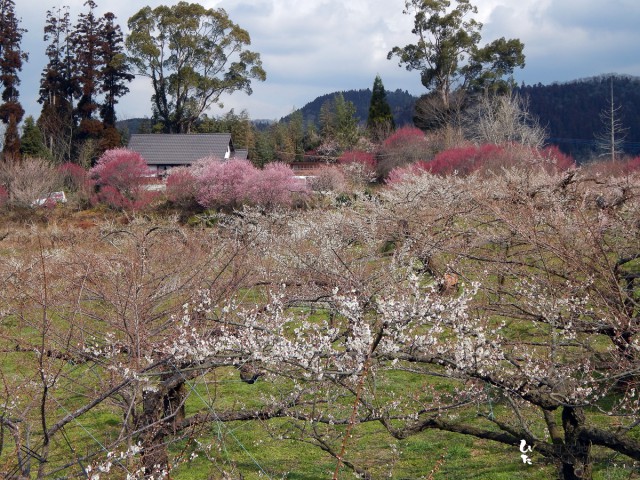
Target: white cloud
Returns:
[[317, 46]]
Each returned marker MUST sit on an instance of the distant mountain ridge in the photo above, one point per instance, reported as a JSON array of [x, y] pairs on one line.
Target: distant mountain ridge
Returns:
[[571, 111]]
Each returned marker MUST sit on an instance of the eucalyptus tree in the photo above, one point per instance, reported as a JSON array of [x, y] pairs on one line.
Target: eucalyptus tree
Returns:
[[448, 56], [193, 55]]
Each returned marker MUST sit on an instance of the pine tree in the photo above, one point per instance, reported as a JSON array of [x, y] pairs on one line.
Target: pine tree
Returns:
[[380, 117], [11, 58]]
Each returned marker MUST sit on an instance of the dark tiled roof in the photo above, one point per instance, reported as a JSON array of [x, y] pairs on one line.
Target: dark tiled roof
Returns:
[[240, 153], [179, 149]]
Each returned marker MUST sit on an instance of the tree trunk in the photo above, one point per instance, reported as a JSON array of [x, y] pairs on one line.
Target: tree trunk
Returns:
[[162, 411], [576, 453]]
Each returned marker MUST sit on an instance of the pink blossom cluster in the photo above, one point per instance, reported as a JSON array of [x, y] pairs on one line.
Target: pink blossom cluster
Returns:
[[214, 183]]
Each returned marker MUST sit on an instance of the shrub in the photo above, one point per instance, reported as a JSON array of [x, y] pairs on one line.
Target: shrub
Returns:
[[553, 160], [328, 179], [493, 158], [274, 186], [607, 168], [406, 145], [120, 175], [28, 180], [224, 184], [182, 186], [485, 159], [359, 167]]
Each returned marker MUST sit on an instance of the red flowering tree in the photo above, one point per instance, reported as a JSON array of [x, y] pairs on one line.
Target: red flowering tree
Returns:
[[120, 175], [406, 145], [487, 158], [359, 167], [466, 160]]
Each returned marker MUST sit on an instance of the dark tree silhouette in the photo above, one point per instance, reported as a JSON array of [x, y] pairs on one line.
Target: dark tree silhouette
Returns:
[[57, 87], [11, 58], [115, 73], [85, 40], [380, 116]]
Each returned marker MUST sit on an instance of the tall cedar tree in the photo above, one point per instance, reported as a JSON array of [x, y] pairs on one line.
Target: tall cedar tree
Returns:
[[83, 64], [57, 87], [380, 115], [116, 71], [86, 43], [11, 58]]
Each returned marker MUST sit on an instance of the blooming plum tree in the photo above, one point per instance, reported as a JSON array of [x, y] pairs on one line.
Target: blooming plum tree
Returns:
[[120, 175], [345, 316], [274, 186], [406, 145], [181, 186], [224, 183]]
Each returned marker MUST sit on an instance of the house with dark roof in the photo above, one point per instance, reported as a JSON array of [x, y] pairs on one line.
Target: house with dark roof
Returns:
[[165, 151]]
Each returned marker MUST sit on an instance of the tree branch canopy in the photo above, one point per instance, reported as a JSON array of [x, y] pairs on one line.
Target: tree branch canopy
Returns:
[[447, 52], [193, 56]]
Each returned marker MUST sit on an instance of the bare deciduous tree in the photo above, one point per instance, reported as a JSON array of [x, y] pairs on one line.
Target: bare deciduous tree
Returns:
[[503, 119], [29, 180], [610, 141]]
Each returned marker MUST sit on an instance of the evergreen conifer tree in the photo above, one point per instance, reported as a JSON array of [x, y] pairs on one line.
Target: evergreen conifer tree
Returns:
[[11, 58], [380, 116], [57, 87], [32, 142], [86, 43]]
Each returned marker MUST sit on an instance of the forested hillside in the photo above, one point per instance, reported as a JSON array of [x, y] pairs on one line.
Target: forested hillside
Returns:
[[571, 111], [401, 103]]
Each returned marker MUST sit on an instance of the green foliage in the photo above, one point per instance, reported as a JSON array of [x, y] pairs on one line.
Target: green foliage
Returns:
[[85, 63], [192, 55], [400, 101], [239, 125], [447, 54], [338, 122], [380, 115], [32, 142]]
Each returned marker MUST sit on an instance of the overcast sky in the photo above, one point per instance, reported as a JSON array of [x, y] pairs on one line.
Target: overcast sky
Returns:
[[313, 47]]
